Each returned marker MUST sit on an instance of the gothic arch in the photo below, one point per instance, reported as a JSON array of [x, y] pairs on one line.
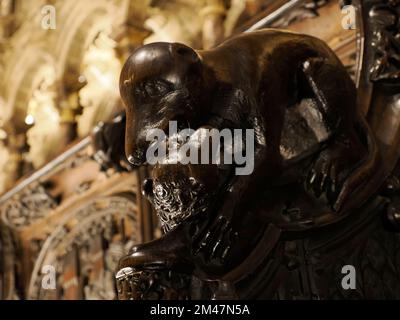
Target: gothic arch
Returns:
[[81, 24], [27, 72]]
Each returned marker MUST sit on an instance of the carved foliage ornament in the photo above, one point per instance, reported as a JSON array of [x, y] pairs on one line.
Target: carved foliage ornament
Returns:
[[31, 204], [85, 254], [308, 10], [385, 22]]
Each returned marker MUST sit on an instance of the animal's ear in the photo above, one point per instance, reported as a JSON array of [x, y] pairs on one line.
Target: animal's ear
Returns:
[[184, 52]]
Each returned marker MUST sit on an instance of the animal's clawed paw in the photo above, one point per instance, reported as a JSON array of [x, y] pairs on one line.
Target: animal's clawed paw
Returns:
[[330, 170], [216, 242], [323, 177]]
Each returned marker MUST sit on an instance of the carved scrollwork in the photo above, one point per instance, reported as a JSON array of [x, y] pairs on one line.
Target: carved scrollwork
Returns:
[[306, 11], [134, 284], [85, 250], [385, 22], [30, 204]]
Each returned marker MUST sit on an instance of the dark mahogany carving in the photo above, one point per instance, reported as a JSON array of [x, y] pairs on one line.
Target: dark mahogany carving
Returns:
[[318, 199], [385, 18]]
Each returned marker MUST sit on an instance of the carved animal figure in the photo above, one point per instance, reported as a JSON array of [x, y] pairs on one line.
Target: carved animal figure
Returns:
[[290, 88], [311, 152]]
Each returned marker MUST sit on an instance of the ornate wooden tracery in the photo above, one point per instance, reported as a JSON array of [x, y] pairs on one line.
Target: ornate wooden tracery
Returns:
[[78, 229]]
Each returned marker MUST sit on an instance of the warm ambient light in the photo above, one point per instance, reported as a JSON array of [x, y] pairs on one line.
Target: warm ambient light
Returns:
[[104, 78], [3, 134], [82, 79], [29, 119]]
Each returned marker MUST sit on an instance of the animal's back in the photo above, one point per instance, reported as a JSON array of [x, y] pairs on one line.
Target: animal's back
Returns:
[[268, 41], [257, 53]]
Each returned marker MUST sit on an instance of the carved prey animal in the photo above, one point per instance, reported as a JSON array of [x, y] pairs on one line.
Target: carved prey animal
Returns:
[[290, 88], [181, 192]]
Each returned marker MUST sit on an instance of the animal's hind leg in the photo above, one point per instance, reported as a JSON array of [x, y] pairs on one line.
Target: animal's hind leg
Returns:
[[335, 96]]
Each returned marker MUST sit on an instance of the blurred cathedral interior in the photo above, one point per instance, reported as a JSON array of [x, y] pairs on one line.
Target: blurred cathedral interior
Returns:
[[61, 203]]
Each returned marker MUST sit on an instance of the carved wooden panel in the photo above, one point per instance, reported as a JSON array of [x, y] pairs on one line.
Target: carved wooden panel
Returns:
[[70, 221], [85, 249]]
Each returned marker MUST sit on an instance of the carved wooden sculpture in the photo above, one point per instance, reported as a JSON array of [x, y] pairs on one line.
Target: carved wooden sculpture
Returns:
[[314, 202]]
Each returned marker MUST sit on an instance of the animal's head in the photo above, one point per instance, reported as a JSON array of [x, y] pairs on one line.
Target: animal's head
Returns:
[[161, 82]]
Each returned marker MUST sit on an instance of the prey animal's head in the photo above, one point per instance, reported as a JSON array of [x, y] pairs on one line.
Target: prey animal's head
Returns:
[[161, 82]]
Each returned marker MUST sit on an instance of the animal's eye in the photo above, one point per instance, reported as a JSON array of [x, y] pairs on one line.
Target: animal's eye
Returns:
[[156, 88], [152, 89]]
